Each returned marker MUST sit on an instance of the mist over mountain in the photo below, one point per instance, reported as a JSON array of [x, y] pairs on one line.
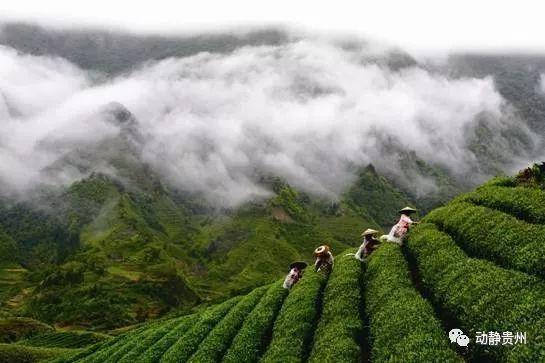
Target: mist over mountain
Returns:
[[141, 175], [214, 113], [516, 77]]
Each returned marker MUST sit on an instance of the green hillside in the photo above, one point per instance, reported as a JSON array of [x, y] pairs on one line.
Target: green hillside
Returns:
[[104, 254], [399, 305], [101, 261], [479, 259]]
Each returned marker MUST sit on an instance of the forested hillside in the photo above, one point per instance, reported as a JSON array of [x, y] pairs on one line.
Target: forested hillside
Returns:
[[104, 254], [154, 190], [398, 305]]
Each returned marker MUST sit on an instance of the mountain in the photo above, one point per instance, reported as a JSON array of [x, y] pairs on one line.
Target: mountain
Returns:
[[129, 254], [517, 78], [492, 143], [474, 264], [106, 240], [114, 52], [114, 259], [122, 246]]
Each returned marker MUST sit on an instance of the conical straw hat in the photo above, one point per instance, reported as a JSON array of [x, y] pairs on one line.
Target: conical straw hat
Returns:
[[408, 210], [369, 231]]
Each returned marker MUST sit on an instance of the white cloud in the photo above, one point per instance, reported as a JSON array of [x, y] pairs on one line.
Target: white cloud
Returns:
[[307, 111]]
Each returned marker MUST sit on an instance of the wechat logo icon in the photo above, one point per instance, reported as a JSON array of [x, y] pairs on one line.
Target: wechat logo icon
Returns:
[[457, 336]]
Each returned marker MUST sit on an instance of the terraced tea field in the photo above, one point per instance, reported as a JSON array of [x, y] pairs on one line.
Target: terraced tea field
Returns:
[[476, 264]]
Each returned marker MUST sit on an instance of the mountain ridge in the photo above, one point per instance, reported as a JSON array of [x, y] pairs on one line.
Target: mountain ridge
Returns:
[[409, 296], [131, 245]]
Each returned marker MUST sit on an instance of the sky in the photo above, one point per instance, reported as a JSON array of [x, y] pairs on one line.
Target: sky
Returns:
[[417, 25]]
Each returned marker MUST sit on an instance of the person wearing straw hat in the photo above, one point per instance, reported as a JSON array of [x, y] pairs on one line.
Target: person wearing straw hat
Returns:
[[399, 230], [295, 274], [324, 259], [369, 244]]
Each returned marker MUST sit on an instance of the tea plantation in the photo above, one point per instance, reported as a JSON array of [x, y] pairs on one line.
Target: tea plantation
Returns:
[[476, 264]]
